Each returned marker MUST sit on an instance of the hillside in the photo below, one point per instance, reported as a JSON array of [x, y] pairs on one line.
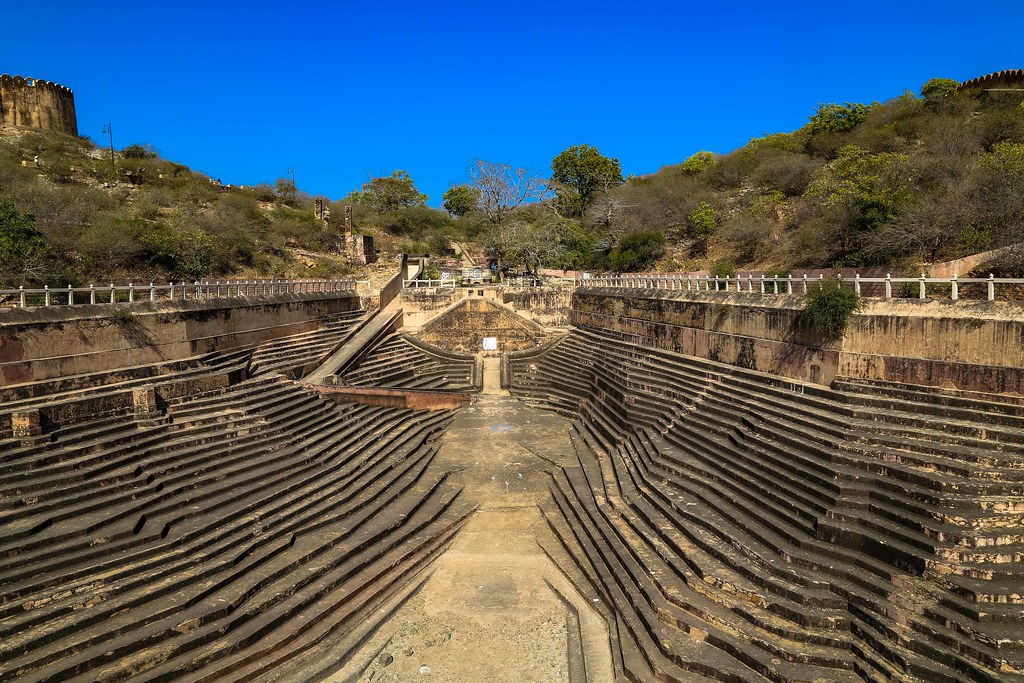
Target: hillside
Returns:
[[146, 218], [904, 183]]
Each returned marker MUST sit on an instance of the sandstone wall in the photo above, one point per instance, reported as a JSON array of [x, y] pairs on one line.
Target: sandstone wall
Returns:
[[33, 103], [969, 345], [463, 328], [45, 343]]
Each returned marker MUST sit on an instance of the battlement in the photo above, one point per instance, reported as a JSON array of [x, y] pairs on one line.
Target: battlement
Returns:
[[37, 103], [1006, 79]]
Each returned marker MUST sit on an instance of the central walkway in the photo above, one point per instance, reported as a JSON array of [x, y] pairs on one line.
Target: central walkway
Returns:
[[494, 607]]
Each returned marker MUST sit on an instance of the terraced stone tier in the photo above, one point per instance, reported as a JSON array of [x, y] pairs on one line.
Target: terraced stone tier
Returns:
[[249, 528], [743, 527], [402, 362], [293, 356]]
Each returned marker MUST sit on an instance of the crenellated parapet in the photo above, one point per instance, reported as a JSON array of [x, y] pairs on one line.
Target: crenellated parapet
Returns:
[[35, 103], [1008, 78]]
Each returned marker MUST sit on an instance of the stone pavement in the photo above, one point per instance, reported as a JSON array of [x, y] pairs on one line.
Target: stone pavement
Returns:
[[494, 607]]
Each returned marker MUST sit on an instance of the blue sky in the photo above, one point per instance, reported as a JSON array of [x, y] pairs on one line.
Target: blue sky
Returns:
[[343, 90]]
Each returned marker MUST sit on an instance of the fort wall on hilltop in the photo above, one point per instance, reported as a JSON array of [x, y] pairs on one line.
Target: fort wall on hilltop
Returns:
[[35, 103]]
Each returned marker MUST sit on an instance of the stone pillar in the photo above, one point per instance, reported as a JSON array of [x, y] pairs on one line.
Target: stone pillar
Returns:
[[25, 425], [144, 404]]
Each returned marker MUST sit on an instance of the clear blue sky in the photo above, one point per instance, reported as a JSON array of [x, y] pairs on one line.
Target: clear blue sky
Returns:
[[343, 90]]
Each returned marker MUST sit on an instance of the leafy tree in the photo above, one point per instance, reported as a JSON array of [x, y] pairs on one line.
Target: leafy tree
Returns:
[[387, 194], [285, 191], [23, 250], [583, 171], [460, 200], [838, 118], [698, 163], [861, 192], [503, 188], [703, 220], [637, 250], [939, 90]]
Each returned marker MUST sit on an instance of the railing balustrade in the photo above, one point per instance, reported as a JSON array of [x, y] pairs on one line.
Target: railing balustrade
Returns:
[[184, 291], [771, 284]]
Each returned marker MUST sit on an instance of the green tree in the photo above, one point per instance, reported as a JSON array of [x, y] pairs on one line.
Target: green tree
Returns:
[[861, 192], [838, 118], [460, 200], [23, 250], [698, 163], [582, 171], [939, 90], [387, 194], [637, 250]]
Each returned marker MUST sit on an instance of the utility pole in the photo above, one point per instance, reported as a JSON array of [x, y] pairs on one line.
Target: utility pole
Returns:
[[109, 129], [291, 171]]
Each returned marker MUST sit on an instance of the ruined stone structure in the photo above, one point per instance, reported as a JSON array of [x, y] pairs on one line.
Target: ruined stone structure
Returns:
[[1008, 79], [34, 103], [681, 487]]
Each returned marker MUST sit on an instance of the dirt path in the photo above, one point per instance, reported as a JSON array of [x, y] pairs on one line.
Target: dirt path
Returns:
[[494, 608]]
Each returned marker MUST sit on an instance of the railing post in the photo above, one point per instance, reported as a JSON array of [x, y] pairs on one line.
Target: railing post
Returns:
[[716, 283], [170, 292], [750, 283], [775, 283], [922, 289], [991, 287], [113, 293], [195, 290], [21, 295], [888, 285], [789, 283], [47, 295], [856, 283], [152, 292], [805, 283], [71, 296], [821, 280], [92, 294], [954, 288], [131, 293]]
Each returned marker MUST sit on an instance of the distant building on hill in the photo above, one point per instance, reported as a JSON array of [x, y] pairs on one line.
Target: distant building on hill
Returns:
[[34, 103]]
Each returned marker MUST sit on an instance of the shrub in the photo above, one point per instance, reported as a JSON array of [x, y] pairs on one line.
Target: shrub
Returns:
[[637, 250], [698, 163], [829, 308], [723, 269], [137, 151], [837, 118]]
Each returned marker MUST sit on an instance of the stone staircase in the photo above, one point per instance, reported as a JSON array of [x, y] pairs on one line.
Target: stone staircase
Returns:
[[252, 527], [745, 527], [401, 362]]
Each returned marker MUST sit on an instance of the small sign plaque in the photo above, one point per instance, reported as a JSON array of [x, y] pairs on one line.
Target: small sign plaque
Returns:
[[490, 343]]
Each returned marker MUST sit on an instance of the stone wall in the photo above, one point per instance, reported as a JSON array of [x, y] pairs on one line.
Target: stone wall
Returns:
[[545, 306], [969, 345], [44, 343], [462, 329], [33, 103]]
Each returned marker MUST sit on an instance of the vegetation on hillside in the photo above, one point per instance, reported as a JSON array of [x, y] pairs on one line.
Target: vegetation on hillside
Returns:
[[914, 180]]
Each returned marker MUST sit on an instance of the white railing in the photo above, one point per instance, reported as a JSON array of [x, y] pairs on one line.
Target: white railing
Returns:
[[414, 284], [768, 284], [130, 293]]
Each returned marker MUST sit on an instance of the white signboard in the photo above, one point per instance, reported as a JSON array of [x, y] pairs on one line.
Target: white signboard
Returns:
[[490, 343]]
